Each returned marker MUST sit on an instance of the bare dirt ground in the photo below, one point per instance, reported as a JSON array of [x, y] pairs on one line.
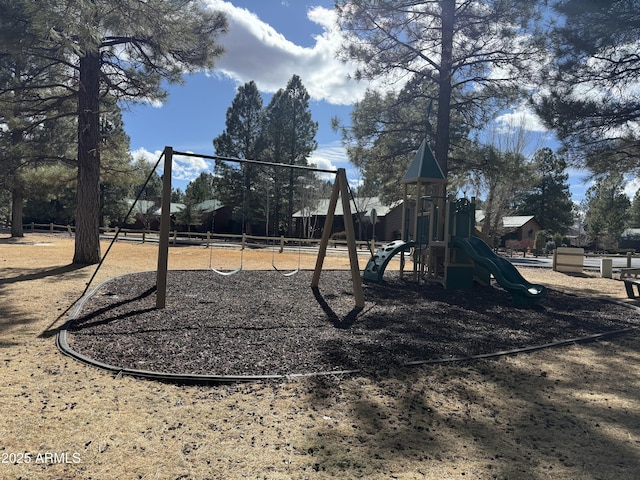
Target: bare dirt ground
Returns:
[[562, 413]]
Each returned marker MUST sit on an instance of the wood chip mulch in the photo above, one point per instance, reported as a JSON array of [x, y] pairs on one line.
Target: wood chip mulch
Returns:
[[263, 323]]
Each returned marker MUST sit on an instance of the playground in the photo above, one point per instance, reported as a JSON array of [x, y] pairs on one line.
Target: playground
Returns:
[[445, 362], [566, 412], [227, 324], [262, 323]]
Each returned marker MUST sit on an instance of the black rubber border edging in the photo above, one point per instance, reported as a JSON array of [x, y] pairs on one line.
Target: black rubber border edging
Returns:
[[178, 378]]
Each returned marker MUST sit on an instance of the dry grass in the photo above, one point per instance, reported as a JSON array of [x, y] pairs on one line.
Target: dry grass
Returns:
[[567, 413]]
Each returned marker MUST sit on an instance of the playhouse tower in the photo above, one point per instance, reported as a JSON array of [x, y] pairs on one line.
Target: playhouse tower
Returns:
[[430, 218]]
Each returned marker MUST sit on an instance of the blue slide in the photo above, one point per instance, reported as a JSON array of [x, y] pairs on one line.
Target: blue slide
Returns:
[[505, 273]]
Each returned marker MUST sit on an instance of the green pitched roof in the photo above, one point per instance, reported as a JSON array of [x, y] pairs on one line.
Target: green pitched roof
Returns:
[[424, 166]]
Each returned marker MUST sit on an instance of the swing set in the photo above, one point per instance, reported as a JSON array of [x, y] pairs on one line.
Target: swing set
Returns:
[[340, 190]]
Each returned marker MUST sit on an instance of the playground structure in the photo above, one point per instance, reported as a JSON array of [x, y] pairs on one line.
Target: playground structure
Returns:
[[439, 230], [340, 190], [440, 235]]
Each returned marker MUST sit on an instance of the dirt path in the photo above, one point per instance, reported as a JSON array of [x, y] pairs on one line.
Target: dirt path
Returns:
[[567, 413]]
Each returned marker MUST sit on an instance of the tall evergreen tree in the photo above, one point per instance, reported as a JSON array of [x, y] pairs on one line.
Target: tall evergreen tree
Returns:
[[201, 189], [32, 107], [274, 152], [592, 102], [455, 45], [634, 212], [549, 199], [289, 133], [607, 210], [237, 184], [387, 129], [125, 48]]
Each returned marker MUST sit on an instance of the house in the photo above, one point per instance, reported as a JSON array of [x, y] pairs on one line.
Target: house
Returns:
[[520, 231], [630, 239], [146, 213], [310, 221], [216, 217], [517, 231]]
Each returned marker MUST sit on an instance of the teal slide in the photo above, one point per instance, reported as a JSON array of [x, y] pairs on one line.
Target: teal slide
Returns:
[[507, 276]]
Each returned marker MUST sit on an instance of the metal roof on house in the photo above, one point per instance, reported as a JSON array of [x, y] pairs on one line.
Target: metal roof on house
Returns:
[[364, 206], [208, 206], [148, 207], [516, 221], [513, 221]]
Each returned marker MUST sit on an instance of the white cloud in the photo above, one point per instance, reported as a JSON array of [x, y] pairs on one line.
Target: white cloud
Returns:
[[521, 117], [321, 162], [256, 51], [632, 187], [183, 168], [150, 157], [189, 168]]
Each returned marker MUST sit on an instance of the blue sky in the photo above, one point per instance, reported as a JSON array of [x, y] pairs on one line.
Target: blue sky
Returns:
[[268, 41]]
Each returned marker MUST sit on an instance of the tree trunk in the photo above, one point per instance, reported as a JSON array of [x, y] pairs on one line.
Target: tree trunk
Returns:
[[16, 211], [444, 86], [290, 197], [87, 243], [17, 187]]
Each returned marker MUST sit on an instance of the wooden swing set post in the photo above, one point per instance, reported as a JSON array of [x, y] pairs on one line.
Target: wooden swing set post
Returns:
[[165, 227], [340, 190]]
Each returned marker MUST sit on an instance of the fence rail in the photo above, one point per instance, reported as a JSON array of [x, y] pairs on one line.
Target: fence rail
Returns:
[[197, 238], [208, 239]]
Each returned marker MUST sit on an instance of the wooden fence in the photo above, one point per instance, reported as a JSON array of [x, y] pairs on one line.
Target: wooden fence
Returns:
[[205, 239], [566, 259]]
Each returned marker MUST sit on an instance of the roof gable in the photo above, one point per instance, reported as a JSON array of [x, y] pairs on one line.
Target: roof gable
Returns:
[[364, 206], [209, 206], [516, 221]]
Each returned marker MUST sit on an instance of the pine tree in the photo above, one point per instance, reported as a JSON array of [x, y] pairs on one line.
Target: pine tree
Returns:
[[237, 184], [607, 209], [634, 212], [123, 48], [387, 129], [592, 102], [549, 199], [452, 45], [289, 135]]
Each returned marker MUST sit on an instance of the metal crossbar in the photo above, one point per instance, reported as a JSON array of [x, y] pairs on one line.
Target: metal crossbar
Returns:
[[256, 162]]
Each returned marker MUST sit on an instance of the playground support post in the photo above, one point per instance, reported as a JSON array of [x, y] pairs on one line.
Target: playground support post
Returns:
[[165, 227], [340, 189]]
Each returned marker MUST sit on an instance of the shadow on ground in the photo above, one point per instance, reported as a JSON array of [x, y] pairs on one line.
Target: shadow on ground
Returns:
[[10, 316], [487, 419], [26, 274]]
